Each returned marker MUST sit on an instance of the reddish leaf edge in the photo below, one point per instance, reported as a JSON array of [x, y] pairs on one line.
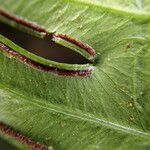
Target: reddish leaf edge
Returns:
[[9, 131]]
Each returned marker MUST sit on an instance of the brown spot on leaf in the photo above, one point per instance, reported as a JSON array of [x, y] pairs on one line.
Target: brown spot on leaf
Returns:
[[128, 45]]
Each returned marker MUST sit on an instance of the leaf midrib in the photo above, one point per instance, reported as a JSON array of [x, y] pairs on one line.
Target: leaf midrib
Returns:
[[80, 115]]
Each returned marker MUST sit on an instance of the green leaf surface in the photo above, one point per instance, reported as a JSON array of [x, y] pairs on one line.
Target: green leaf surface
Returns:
[[110, 109]]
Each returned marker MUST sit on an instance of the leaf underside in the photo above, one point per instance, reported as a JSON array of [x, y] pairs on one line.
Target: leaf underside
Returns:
[[107, 110]]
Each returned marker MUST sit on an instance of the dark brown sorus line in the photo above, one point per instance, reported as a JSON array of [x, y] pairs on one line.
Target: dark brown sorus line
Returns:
[[42, 67], [78, 43], [38, 28], [22, 21], [9, 131]]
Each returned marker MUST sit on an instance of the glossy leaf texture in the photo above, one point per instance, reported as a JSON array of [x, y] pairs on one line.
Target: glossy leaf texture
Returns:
[[108, 110]]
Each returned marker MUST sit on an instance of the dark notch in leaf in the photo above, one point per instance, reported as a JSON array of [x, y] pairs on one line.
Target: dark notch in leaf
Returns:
[[7, 130], [38, 28], [45, 48]]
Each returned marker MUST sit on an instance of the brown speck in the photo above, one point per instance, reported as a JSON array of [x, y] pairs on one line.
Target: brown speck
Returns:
[[128, 45], [131, 118]]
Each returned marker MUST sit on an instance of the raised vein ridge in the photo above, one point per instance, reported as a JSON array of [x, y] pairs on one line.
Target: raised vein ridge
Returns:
[[119, 11]]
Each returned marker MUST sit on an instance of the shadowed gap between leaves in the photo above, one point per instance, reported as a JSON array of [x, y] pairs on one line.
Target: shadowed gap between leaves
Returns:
[[45, 48], [4, 145]]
